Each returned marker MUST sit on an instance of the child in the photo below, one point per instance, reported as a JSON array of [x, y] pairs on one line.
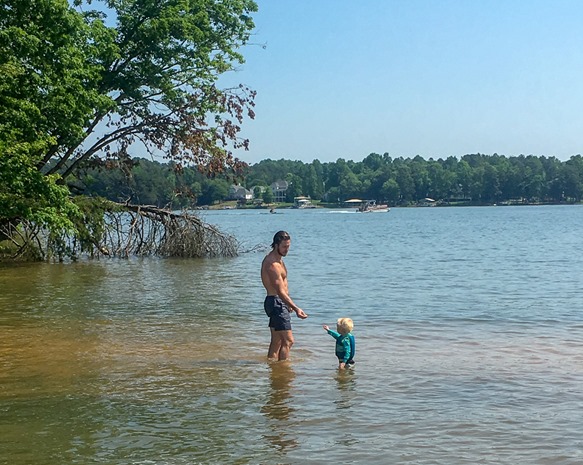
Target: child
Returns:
[[345, 345]]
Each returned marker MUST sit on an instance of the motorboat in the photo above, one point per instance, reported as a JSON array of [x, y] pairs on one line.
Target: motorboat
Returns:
[[371, 206], [303, 202]]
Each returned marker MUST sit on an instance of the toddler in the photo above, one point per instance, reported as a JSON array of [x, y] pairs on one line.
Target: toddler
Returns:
[[345, 346]]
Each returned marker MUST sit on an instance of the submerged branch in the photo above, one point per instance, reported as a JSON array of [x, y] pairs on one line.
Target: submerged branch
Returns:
[[124, 230], [169, 234]]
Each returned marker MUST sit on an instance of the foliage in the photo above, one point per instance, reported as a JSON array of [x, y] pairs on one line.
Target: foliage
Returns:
[[49, 85], [80, 84], [474, 179], [160, 64], [267, 196], [96, 89], [25, 193]]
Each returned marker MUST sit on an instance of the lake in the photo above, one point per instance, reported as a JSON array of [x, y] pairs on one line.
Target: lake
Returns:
[[468, 325]]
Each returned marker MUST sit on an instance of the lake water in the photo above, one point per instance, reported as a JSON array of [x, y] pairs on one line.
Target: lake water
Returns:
[[468, 323]]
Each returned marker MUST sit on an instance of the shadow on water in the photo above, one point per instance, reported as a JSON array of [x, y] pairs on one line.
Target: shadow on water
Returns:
[[279, 407]]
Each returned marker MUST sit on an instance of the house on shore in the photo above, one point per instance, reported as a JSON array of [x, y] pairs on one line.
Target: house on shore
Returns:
[[239, 193], [279, 190]]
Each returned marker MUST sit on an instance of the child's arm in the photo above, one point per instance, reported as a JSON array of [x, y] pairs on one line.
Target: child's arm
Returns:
[[332, 333]]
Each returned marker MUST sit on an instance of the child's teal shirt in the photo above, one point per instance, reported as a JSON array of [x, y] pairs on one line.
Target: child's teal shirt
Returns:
[[345, 346]]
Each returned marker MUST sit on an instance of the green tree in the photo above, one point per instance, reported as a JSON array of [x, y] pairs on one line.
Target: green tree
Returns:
[[268, 195], [464, 178], [420, 177], [350, 185], [159, 67], [27, 194], [257, 191], [390, 191], [312, 184], [295, 187], [405, 182], [214, 190], [48, 83], [81, 85], [490, 184], [47, 94], [373, 161], [572, 177]]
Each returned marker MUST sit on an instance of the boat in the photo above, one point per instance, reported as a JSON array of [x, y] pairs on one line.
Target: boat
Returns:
[[371, 206], [303, 202], [366, 206], [426, 202]]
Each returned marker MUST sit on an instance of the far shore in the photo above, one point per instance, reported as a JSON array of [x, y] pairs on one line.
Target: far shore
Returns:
[[235, 205]]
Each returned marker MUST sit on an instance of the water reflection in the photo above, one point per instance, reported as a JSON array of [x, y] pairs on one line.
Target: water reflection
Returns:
[[346, 381], [279, 406]]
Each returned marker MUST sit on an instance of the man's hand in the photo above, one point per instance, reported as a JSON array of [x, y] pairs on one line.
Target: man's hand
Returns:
[[301, 314], [325, 327]]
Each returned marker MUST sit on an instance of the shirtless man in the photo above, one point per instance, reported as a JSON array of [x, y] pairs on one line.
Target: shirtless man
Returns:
[[278, 304]]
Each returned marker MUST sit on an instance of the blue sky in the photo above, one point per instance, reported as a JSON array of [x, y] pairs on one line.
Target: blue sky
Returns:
[[436, 78]]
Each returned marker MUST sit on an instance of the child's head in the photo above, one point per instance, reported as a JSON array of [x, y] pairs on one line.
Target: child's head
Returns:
[[344, 325]]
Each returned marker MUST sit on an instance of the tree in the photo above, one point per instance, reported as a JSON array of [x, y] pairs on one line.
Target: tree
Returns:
[[257, 191], [573, 178], [373, 161], [80, 91], [27, 194], [294, 188], [312, 184], [350, 186], [405, 183], [267, 195], [464, 177], [47, 92], [490, 184], [390, 190], [159, 70], [214, 191]]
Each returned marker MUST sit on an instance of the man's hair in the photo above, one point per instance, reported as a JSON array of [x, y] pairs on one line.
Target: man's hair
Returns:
[[280, 236], [344, 325]]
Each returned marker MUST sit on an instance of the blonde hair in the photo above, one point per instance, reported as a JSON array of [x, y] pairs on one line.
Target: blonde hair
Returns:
[[344, 325]]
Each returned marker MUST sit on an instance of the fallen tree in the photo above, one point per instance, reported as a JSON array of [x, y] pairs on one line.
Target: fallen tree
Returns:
[[123, 230]]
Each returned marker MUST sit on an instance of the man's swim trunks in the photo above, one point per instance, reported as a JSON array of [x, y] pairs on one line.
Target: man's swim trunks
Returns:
[[278, 313]]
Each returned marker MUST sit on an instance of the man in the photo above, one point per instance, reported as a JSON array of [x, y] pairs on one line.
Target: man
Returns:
[[278, 304]]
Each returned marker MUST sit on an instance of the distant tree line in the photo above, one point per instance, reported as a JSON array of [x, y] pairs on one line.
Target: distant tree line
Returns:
[[473, 179]]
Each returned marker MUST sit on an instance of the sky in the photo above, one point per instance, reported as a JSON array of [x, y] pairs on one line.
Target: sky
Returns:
[[435, 78]]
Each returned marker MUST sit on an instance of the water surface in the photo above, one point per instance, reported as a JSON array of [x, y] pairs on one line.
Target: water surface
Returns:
[[469, 327]]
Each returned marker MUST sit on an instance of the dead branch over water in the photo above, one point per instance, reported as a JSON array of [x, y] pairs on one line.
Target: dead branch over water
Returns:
[[131, 230], [146, 230]]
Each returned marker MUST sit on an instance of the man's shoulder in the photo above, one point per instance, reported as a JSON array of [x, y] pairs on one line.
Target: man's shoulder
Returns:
[[270, 260], [269, 263]]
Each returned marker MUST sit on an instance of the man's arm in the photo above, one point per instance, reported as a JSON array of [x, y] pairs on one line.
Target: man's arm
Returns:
[[276, 276]]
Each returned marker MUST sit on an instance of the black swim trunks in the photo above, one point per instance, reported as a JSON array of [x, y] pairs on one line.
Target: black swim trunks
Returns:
[[278, 313]]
